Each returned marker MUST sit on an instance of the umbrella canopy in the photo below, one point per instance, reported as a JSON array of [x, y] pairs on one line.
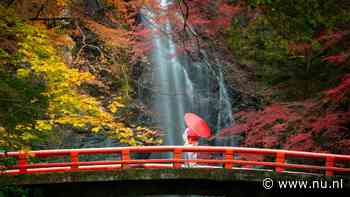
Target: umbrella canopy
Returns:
[[198, 127]]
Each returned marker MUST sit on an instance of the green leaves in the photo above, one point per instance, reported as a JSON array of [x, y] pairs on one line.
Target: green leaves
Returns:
[[40, 94], [21, 100], [286, 40]]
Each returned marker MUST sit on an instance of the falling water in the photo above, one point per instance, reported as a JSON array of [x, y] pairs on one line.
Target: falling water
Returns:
[[225, 118], [173, 88], [182, 85]]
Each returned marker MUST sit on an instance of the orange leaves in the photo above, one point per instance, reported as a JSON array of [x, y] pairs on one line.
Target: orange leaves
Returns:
[[41, 8], [197, 20], [60, 39], [126, 10], [298, 48], [229, 10], [114, 37]]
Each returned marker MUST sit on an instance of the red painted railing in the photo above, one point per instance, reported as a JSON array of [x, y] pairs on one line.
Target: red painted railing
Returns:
[[275, 160]]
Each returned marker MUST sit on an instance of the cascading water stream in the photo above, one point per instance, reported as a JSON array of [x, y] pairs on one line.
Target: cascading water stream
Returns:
[[175, 89], [181, 85]]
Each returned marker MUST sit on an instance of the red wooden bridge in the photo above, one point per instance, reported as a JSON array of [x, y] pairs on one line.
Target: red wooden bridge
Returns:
[[278, 161]]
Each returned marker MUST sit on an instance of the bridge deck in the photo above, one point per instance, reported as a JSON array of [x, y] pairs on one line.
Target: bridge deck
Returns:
[[136, 181]]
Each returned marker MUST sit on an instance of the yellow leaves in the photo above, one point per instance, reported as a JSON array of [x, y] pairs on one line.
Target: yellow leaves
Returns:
[[147, 136], [34, 100], [116, 104], [23, 127], [2, 130], [77, 124], [64, 103], [126, 132], [67, 104], [43, 125], [62, 2], [23, 73], [28, 136], [96, 129], [137, 136], [77, 121], [25, 131]]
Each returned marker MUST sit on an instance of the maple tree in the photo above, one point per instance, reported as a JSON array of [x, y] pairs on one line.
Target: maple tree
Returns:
[[300, 52], [299, 49], [51, 94], [189, 22], [295, 126], [289, 43]]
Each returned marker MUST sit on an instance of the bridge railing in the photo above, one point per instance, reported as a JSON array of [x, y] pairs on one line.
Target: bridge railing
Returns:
[[278, 160]]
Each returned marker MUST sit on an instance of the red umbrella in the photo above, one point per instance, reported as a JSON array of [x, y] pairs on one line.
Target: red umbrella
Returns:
[[197, 125]]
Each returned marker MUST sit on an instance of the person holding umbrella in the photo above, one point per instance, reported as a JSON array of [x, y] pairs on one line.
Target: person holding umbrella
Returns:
[[196, 128]]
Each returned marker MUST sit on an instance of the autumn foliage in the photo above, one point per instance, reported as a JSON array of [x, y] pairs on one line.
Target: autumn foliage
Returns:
[[50, 68], [295, 126], [299, 51], [304, 68], [189, 24]]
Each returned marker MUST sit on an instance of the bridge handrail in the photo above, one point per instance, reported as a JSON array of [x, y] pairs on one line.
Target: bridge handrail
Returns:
[[229, 160]]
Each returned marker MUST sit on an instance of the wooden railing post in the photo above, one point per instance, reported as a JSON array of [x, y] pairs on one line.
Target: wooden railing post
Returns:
[[178, 156], [74, 159], [329, 164], [228, 157], [125, 157], [280, 159], [22, 162]]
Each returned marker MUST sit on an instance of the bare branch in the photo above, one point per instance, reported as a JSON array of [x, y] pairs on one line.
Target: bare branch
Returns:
[[48, 19], [84, 45]]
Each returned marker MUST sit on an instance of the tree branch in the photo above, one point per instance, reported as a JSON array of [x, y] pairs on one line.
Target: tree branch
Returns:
[[84, 45], [42, 7], [48, 19]]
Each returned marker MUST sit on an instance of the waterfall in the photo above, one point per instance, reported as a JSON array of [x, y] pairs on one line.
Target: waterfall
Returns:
[[182, 85], [225, 118]]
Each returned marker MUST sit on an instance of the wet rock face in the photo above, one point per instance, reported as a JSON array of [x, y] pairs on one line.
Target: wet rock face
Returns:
[[92, 7], [66, 138], [66, 49], [206, 93], [206, 97], [241, 101]]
